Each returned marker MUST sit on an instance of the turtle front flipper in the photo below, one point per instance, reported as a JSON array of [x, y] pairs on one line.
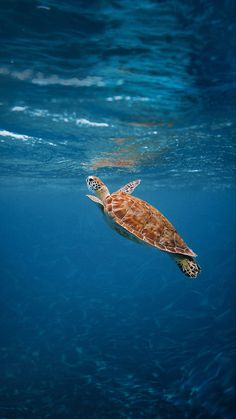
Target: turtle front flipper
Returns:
[[95, 199], [130, 187], [187, 265]]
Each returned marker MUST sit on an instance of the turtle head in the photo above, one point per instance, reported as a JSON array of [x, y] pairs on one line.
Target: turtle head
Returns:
[[97, 187]]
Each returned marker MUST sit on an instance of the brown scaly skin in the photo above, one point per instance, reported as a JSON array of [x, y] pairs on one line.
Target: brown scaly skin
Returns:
[[138, 220]]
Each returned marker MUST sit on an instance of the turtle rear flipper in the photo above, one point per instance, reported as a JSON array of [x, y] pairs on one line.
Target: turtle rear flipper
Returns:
[[187, 265]]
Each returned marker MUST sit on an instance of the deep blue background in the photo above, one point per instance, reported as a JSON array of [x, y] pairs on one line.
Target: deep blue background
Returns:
[[93, 325], [96, 326]]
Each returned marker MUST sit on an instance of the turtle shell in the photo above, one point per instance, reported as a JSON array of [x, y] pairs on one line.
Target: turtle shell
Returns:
[[145, 223]]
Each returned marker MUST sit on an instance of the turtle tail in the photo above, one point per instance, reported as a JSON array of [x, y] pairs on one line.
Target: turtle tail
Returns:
[[188, 265]]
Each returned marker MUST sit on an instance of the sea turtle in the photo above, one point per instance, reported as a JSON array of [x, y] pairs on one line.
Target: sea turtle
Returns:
[[139, 221]]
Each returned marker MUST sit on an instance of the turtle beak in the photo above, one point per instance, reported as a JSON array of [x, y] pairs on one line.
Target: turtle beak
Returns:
[[89, 181]]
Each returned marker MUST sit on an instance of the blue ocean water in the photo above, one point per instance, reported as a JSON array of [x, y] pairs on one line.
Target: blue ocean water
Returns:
[[93, 325]]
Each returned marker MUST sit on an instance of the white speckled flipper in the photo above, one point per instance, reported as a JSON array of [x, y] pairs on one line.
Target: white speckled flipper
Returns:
[[130, 187]]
